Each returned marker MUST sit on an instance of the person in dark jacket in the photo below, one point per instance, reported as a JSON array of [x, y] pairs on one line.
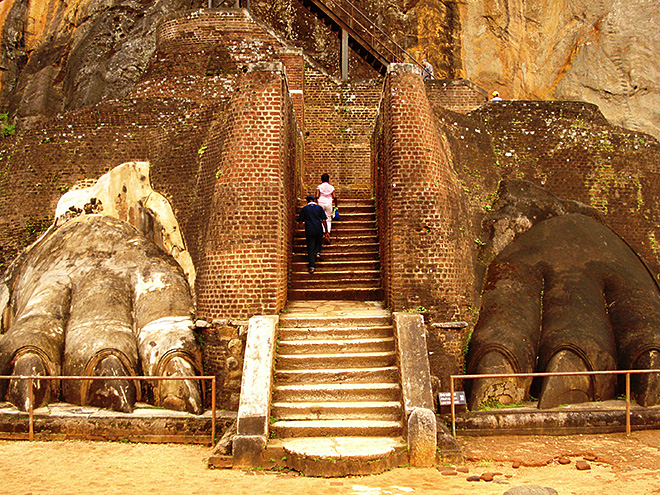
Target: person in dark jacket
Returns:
[[315, 228]]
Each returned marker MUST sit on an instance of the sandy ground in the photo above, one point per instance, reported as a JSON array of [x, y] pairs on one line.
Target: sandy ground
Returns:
[[622, 466]]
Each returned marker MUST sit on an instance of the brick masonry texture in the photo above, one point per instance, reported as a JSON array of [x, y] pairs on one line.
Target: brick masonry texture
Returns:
[[571, 150], [225, 148], [339, 121], [421, 204], [224, 348], [237, 125], [567, 148], [458, 95]]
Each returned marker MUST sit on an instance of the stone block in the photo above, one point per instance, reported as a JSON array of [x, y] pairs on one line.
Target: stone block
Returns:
[[422, 437], [414, 361], [247, 450], [256, 385]]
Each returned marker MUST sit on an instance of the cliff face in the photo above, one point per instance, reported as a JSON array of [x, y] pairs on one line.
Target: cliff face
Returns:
[[59, 56], [601, 52]]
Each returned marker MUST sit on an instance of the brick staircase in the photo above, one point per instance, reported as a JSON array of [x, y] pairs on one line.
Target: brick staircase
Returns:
[[350, 269], [336, 376]]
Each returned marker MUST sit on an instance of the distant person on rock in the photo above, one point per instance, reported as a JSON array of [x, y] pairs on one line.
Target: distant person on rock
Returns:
[[316, 228], [325, 196], [427, 72], [496, 96]]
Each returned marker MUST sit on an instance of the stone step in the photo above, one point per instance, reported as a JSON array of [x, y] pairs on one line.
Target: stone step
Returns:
[[349, 427], [381, 318], [348, 241], [344, 360], [351, 215], [338, 283], [340, 456], [335, 256], [308, 411], [332, 275], [351, 294], [338, 247], [344, 346], [329, 333], [339, 265], [337, 392], [346, 203], [348, 375], [343, 233]]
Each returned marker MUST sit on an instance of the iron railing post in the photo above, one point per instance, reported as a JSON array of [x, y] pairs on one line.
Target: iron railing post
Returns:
[[628, 428], [30, 410], [213, 411]]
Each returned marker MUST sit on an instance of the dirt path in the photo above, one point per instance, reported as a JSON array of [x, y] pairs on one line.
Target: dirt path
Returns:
[[622, 466]]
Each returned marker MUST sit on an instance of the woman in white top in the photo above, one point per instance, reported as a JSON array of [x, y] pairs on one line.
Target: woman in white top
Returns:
[[325, 196]]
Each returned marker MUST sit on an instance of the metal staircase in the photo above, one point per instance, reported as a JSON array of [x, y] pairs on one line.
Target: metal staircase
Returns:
[[357, 31], [366, 38]]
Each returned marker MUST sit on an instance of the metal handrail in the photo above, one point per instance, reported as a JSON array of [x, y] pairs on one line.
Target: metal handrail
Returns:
[[530, 375], [374, 25], [31, 379], [333, 5]]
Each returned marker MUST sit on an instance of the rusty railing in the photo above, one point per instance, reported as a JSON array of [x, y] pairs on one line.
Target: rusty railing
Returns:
[[532, 375], [367, 30], [32, 378]]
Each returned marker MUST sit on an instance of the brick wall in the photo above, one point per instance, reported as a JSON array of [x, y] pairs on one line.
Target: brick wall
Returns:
[[224, 348], [458, 95], [426, 256], [339, 121], [41, 164], [223, 141], [293, 60], [247, 246]]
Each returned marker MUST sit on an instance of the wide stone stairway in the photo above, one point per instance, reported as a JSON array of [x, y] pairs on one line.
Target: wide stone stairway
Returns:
[[336, 405], [336, 382]]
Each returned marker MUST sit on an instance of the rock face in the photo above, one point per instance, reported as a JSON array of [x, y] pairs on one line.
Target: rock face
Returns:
[[59, 56], [601, 52]]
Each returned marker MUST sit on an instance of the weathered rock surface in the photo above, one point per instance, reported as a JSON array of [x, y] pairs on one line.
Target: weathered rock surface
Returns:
[[600, 52], [59, 56]]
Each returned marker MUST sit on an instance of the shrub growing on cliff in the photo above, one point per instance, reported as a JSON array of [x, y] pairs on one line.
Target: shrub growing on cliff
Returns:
[[4, 124]]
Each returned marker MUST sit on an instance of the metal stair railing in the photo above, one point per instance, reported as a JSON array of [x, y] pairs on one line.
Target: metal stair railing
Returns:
[[225, 3], [364, 31]]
